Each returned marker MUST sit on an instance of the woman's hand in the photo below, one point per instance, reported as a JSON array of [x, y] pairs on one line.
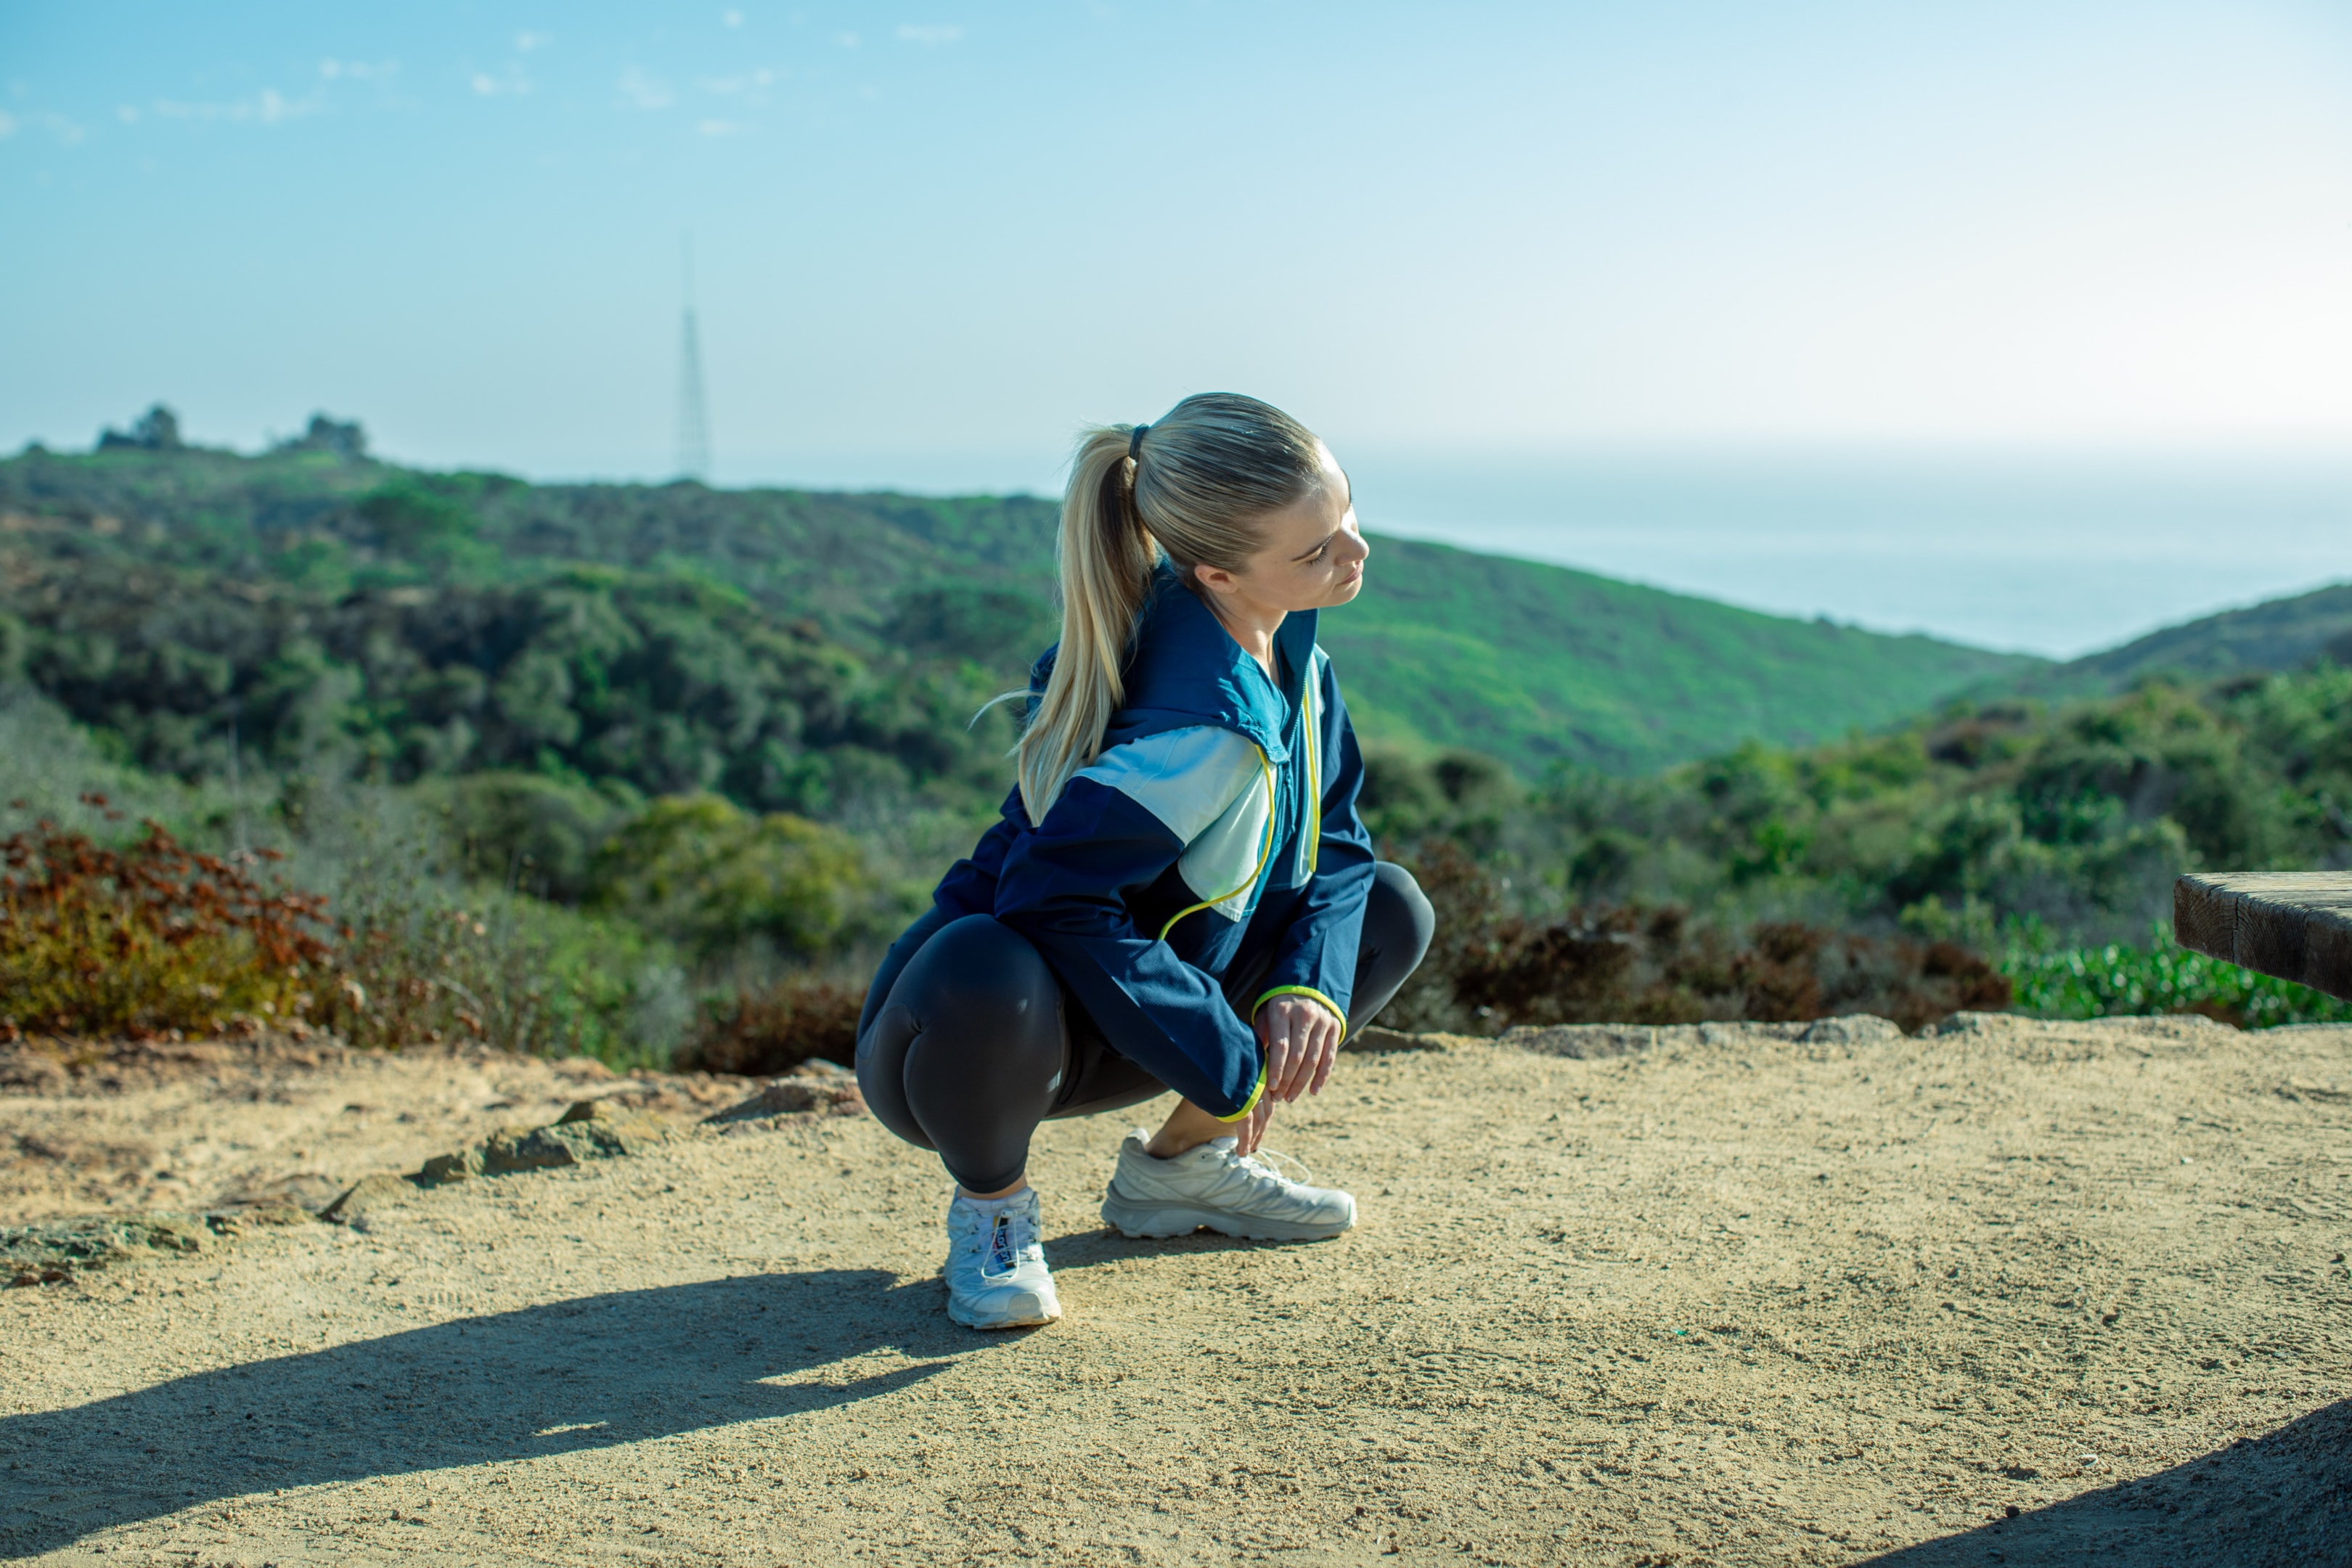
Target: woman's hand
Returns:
[[1301, 1039]]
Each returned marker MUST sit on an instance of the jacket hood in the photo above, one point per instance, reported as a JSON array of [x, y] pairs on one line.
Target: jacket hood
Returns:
[[1187, 671]]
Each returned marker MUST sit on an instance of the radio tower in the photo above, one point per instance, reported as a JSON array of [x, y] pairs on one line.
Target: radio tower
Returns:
[[693, 422]]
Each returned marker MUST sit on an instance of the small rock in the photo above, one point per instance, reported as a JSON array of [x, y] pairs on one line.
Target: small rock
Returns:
[[797, 1095], [371, 1194], [540, 1149], [612, 1129], [609, 1113], [1852, 1029], [255, 1216], [591, 1129], [55, 1251], [460, 1166], [309, 1191]]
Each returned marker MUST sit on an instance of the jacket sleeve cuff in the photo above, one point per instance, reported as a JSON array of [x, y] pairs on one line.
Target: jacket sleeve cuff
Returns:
[[1250, 1104], [1307, 991]]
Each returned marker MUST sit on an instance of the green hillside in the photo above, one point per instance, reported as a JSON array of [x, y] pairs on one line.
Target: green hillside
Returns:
[[2282, 634], [1540, 665], [652, 772], [1534, 664]]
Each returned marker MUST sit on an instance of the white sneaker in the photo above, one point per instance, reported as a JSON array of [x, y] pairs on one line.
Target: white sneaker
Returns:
[[1213, 1186], [996, 1271]]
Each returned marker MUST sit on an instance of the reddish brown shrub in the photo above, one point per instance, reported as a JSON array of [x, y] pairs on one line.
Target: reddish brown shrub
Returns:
[[774, 1029], [152, 938], [1649, 965]]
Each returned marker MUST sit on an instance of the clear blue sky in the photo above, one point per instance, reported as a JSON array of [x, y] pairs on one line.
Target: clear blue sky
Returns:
[[931, 239]]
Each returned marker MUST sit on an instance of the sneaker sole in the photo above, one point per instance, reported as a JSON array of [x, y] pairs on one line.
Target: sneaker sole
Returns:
[[1036, 1322], [1160, 1222]]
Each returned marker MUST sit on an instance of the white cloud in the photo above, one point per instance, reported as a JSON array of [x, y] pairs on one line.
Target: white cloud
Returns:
[[514, 84], [526, 42], [722, 126], [753, 83], [358, 70], [644, 91], [126, 113], [928, 36], [733, 18], [268, 106], [846, 40], [67, 131]]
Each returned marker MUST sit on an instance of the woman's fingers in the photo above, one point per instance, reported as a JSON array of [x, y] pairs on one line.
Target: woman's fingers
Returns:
[[1327, 1053], [1310, 1022], [1277, 1030], [1317, 1034], [1252, 1131], [1302, 1041], [1278, 1059]]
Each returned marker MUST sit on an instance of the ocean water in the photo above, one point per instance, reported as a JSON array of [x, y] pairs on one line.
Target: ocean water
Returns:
[[2052, 557]]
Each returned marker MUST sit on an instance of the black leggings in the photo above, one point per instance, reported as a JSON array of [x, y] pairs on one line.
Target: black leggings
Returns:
[[969, 1041]]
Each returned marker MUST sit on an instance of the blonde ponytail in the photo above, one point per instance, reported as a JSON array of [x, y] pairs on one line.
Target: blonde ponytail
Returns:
[[1195, 486], [1106, 561]]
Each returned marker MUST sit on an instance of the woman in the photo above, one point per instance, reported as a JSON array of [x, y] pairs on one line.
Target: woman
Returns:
[[1180, 894]]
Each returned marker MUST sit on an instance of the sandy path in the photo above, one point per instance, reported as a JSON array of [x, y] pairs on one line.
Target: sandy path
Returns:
[[212, 1124], [1734, 1300]]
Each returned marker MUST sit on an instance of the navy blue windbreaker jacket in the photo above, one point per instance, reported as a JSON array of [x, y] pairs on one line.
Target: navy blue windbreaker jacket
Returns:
[[1215, 835]]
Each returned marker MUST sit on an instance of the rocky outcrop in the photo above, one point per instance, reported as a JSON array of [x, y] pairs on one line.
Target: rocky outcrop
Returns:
[[56, 1250]]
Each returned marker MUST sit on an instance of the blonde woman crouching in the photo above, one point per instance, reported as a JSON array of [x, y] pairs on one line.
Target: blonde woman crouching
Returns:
[[1180, 894]]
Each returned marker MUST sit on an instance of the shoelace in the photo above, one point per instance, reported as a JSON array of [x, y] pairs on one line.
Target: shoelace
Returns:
[[1004, 1245], [1257, 1162]]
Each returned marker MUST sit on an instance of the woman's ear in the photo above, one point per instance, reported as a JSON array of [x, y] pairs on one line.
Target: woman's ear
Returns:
[[1216, 579]]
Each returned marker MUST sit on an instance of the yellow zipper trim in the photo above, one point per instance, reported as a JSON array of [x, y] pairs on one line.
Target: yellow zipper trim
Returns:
[[1307, 991], [1251, 1103], [1312, 703], [1265, 849]]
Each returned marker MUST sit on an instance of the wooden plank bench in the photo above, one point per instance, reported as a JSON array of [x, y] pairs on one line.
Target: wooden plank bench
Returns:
[[2296, 925]]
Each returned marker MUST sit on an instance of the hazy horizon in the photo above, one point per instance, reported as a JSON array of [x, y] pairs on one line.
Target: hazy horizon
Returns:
[[2015, 551]]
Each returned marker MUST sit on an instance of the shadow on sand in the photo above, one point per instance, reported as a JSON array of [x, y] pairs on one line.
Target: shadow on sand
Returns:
[[2285, 1500], [566, 1377]]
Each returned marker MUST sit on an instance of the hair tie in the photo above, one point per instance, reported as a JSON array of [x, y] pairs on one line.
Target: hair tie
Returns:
[[1134, 443]]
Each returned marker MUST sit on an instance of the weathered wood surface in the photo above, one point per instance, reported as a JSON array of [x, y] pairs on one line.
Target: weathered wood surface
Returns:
[[2296, 925]]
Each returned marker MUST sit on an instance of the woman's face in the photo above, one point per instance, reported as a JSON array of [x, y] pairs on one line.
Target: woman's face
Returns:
[[1312, 557]]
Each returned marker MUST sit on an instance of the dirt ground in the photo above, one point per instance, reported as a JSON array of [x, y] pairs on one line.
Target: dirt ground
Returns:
[[2014, 1293], [215, 1124]]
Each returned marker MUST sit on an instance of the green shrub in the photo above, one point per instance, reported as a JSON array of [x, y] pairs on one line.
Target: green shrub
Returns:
[[2056, 982], [427, 961], [704, 873]]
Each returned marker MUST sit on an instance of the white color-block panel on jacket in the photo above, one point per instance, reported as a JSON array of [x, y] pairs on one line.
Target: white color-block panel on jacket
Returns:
[[1208, 786]]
